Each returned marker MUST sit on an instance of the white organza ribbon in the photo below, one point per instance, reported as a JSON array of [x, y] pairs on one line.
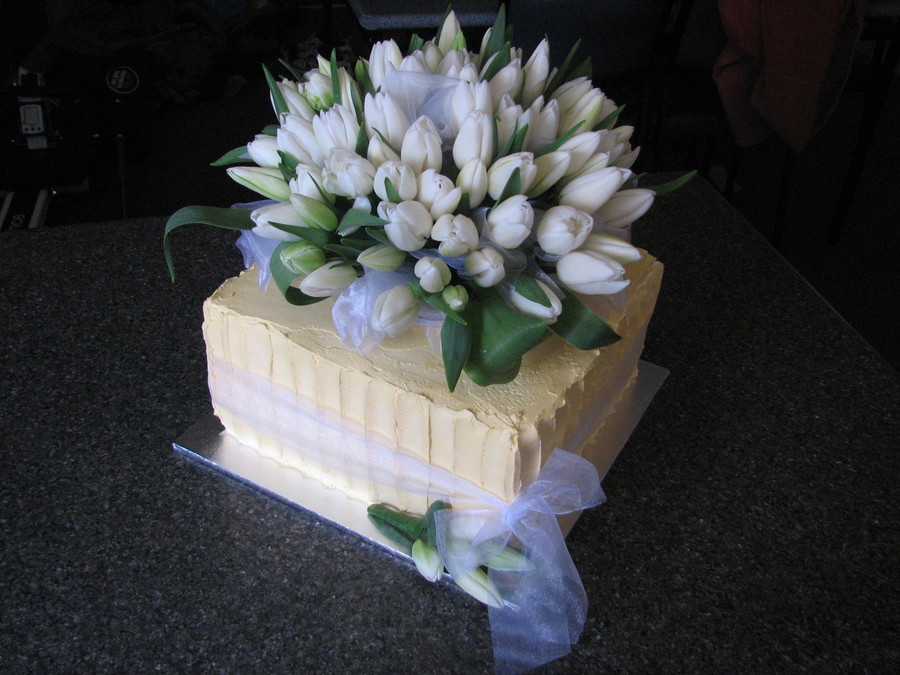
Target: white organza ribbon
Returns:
[[545, 604]]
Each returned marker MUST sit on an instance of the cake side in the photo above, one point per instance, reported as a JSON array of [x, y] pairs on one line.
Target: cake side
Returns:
[[495, 437]]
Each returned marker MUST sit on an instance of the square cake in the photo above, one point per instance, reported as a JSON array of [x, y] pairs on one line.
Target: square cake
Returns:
[[274, 367]]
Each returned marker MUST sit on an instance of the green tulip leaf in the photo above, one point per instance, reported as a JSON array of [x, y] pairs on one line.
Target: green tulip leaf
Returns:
[[335, 79], [580, 327], [404, 523], [287, 166], [237, 156], [501, 335], [284, 277], [562, 74], [391, 192], [513, 187], [562, 140], [583, 69], [281, 106], [313, 235], [528, 287], [498, 61], [229, 219], [379, 235], [345, 252], [429, 531], [610, 120], [270, 130], [357, 218], [293, 71], [362, 76], [436, 300], [415, 43], [674, 184], [456, 344]]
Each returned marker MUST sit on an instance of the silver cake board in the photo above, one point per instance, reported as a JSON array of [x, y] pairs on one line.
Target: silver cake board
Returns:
[[207, 442]]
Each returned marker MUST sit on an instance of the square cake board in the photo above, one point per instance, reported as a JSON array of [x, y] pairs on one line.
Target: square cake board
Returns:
[[207, 443]]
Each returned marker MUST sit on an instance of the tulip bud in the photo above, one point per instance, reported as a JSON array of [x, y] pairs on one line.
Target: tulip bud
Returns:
[[507, 80], [627, 159], [588, 192], [302, 257], [472, 179], [308, 182], [330, 279], [346, 173], [477, 584], [612, 247], [457, 235], [550, 170], [427, 560], [282, 213], [433, 274], [409, 224], [485, 266], [502, 169], [296, 102], [581, 147], [563, 229], [385, 116], [536, 72], [263, 150], [510, 222], [466, 98], [317, 90], [452, 63], [421, 147], [625, 207], [475, 139], [314, 212], [381, 257], [591, 273], [395, 311], [432, 55], [336, 128], [456, 296], [543, 125], [537, 309], [296, 137], [438, 193], [266, 181], [448, 32], [414, 63], [402, 178], [380, 152], [385, 56]]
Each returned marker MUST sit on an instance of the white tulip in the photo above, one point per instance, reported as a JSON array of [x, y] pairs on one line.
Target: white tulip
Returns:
[[588, 192], [383, 114], [385, 56], [433, 274], [348, 88], [502, 169], [537, 309], [536, 72], [612, 247], [282, 213], [581, 147], [414, 63], [510, 222], [507, 80], [314, 213], [485, 266], [395, 311], [336, 128], [308, 181], [432, 55], [266, 181], [550, 170], [510, 118], [469, 73], [457, 235], [263, 150], [475, 139], [453, 62], [467, 97], [628, 157], [346, 173], [437, 193], [543, 125], [427, 560], [595, 162], [421, 147], [625, 207], [591, 273], [472, 179], [295, 100], [409, 224], [381, 257], [296, 137], [317, 90], [380, 152], [448, 32], [330, 279], [402, 178], [586, 110], [563, 229], [477, 584]]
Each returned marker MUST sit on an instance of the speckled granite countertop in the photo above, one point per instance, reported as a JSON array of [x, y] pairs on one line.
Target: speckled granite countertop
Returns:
[[751, 522]]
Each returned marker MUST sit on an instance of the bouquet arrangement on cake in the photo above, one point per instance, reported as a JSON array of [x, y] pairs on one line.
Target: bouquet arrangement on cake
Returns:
[[455, 207]]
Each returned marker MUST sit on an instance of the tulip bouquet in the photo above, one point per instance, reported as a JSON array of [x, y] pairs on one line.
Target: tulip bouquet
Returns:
[[463, 184]]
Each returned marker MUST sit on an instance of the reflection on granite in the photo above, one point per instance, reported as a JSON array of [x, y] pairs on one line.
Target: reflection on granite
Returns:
[[751, 521]]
